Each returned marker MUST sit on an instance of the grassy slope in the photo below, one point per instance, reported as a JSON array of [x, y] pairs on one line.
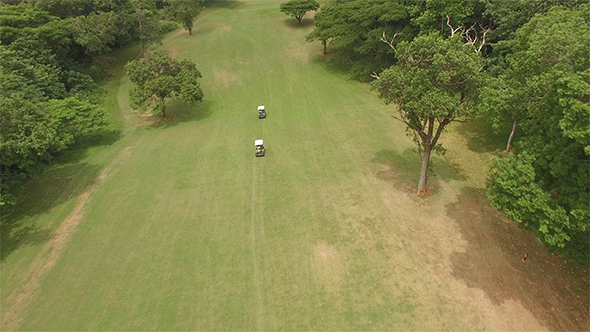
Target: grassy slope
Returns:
[[189, 231]]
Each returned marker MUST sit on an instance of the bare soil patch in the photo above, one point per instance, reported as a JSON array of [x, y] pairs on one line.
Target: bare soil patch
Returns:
[[328, 265], [555, 292]]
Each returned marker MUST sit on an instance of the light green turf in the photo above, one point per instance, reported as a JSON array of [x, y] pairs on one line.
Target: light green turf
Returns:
[[189, 231]]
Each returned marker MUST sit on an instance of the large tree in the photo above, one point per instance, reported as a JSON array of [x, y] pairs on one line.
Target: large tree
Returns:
[[185, 12], [435, 82], [96, 32], [159, 77], [544, 185], [354, 29], [298, 8]]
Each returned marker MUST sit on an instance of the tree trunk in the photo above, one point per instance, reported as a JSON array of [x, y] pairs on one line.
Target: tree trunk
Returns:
[[324, 42], [424, 171], [509, 144], [299, 19], [190, 30]]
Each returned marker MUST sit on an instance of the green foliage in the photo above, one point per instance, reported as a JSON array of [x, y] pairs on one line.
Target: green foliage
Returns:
[[95, 33], [431, 15], [507, 16], [146, 22], [75, 8], [28, 133], [435, 81], [168, 26], [158, 77], [298, 8], [355, 28], [74, 118], [185, 12], [548, 79], [16, 21]]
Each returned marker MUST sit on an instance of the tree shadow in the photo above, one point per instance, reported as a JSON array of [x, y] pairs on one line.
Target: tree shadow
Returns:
[[41, 193], [14, 236], [66, 178], [333, 64], [481, 137], [553, 290], [292, 23], [178, 113], [403, 170]]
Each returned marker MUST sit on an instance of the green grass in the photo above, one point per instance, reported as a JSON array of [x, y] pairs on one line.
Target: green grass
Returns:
[[189, 231]]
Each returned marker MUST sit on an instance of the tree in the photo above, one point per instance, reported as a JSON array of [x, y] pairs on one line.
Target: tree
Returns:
[[298, 8], [432, 15], [158, 77], [506, 17], [544, 184], [354, 30], [96, 32], [435, 82], [185, 12], [147, 25]]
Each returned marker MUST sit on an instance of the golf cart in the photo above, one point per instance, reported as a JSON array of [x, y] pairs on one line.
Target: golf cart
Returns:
[[261, 112], [259, 148]]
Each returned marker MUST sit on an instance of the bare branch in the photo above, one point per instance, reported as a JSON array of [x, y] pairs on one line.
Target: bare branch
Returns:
[[453, 30], [390, 42], [472, 40], [375, 75]]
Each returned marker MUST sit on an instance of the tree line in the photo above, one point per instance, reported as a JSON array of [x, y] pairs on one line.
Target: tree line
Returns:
[[51, 53], [523, 65]]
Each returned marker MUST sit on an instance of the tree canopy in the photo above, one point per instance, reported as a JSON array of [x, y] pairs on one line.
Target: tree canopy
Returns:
[[48, 100], [436, 81], [298, 8], [185, 12], [544, 184], [159, 77]]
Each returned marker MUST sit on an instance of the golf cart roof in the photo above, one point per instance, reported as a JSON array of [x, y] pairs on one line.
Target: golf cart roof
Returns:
[[258, 142], [261, 108]]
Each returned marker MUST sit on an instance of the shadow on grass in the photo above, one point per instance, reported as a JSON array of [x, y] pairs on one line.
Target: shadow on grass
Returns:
[[55, 186], [481, 137], [294, 24], [178, 113], [333, 64], [403, 170], [553, 290], [60, 182]]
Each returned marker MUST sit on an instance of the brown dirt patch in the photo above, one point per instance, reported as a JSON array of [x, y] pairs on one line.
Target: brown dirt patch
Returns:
[[554, 292], [145, 118], [328, 265], [18, 302], [173, 51]]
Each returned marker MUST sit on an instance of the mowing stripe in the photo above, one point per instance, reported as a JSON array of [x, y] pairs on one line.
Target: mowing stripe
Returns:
[[256, 221]]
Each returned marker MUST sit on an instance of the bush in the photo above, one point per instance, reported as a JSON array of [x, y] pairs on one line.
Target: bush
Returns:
[[168, 26]]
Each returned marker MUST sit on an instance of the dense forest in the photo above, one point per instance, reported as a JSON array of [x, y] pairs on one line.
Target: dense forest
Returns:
[[533, 78], [52, 53]]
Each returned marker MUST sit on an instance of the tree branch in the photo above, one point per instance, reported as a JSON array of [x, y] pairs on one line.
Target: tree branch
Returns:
[[450, 26], [390, 42]]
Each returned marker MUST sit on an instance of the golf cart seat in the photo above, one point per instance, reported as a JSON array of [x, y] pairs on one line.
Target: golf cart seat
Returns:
[[259, 148], [261, 112]]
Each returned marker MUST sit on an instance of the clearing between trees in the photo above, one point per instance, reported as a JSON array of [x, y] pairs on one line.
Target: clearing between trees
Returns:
[[192, 232]]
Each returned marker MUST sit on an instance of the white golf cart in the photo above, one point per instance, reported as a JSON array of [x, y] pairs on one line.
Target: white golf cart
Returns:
[[261, 112], [259, 148]]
